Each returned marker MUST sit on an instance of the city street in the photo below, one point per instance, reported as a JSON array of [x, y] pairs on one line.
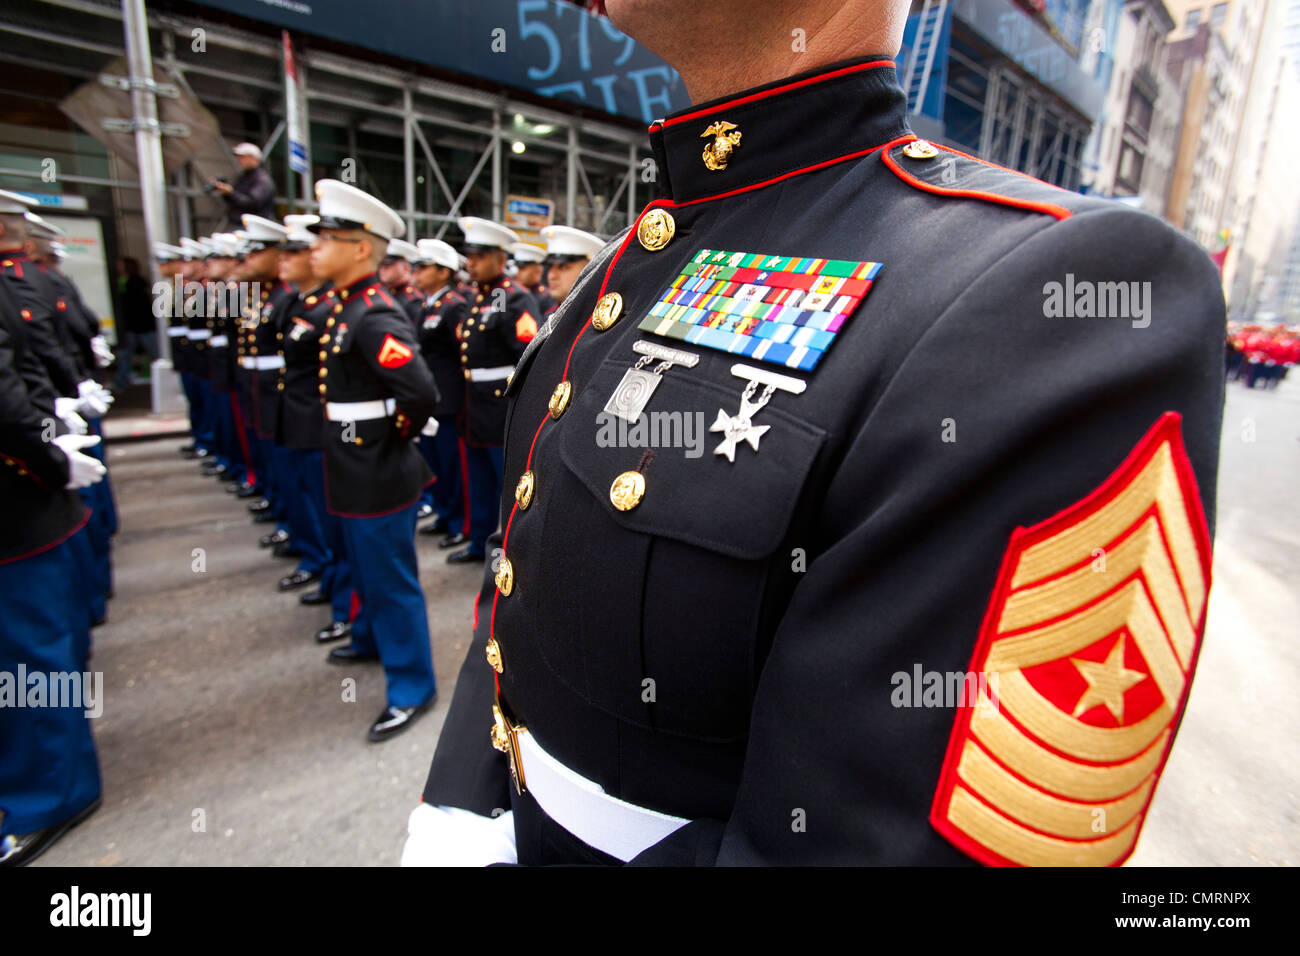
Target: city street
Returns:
[[225, 738]]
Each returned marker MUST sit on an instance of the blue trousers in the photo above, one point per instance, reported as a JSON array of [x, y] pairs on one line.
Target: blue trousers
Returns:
[[447, 493], [48, 768], [290, 486], [336, 579], [205, 434], [89, 583], [230, 453], [486, 467], [393, 621], [193, 400]]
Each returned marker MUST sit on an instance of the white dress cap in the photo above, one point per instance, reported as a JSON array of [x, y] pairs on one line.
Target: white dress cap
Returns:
[[13, 203], [346, 207], [401, 249], [297, 231], [165, 252], [265, 232], [527, 252], [571, 243], [484, 234], [42, 229], [438, 253]]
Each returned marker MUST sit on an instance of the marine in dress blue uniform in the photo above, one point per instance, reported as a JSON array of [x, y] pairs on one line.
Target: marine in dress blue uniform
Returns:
[[444, 310], [377, 396], [49, 773], [503, 317], [702, 658], [530, 272]]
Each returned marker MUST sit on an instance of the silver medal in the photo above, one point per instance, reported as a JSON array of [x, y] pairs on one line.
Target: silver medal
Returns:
[[637, 385]]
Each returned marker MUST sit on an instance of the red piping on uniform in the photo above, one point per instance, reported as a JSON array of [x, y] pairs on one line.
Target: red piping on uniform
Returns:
[[241, 433], [53, 544], [1051, 209], [763, 94], [464, 488]]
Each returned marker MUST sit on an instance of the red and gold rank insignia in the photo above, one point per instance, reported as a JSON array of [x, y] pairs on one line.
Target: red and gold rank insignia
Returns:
[[525, 327], [393, 354], [1088, 646]]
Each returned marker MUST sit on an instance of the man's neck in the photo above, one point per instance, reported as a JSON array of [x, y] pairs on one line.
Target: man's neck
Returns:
[[840, 32], [353, 275]]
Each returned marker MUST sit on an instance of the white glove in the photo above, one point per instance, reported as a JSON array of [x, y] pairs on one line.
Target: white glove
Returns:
[[83, 471], [103, 354], [66, 409], [430, 427], [450, 836], [95, 399]]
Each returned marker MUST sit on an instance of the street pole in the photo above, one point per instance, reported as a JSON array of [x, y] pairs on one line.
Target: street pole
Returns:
[[148, 150]]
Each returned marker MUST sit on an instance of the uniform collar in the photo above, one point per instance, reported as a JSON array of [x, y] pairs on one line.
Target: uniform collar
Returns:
[[502, 280], [361, 285], [799, 121]]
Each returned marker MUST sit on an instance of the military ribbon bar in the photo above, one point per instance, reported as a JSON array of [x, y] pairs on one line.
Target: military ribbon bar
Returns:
[[784, 310]]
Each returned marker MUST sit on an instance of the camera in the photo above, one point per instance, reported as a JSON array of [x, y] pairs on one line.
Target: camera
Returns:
[[212, 186]]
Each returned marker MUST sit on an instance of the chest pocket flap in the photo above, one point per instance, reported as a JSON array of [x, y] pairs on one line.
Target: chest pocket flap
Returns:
[[741, 508]]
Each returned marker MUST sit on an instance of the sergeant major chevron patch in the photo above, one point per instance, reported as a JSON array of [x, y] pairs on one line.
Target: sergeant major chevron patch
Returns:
[[1089, 647]]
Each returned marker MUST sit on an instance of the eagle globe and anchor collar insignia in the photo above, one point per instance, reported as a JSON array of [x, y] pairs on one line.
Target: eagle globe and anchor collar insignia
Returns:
[[1085, 660]]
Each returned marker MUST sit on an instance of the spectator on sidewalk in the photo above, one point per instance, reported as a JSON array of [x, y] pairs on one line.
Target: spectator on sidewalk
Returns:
[[135, 321], [253, 193]]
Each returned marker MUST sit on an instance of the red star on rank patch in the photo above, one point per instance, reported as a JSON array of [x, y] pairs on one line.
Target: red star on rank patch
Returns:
[[393, 354]]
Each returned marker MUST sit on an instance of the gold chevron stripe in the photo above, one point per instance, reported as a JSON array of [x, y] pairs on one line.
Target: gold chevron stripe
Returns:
[[1145, 550], [1158, 482], [1063, 818], [1010, 840], [1077, 781]]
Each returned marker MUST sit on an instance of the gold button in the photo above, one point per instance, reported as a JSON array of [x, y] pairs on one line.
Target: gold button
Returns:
[[920, 149], [493, 654], [338, 308], [321, 373], [500, 736], [608, 310], [656, 230], [311, 300], [323, 355], [467, 376], [505, 579], [627, 490], [325, 339], [524, 490], [322, 388], [560, 399]]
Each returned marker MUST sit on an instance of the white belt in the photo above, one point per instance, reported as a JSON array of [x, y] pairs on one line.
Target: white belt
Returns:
[[262, 363], [218, 341], [359, 411], [490, 374], [198, 335], [177, 331], [582, 806]]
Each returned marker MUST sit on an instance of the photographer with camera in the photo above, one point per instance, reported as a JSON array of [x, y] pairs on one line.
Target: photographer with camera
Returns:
[[253, 192]]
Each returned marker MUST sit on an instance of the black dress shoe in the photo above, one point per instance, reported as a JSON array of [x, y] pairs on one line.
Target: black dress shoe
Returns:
[[211, 468], [297, 580], [257, 507], [21, 848], [453, 540], [465, 556], [348, 655], [248, 491], [423, 512], [224, 475], [437, 527], [285, 550], [394, 720], [233, 488], [313, 597], [185, 448], [264, 517], [334, 632], [271, 540]]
